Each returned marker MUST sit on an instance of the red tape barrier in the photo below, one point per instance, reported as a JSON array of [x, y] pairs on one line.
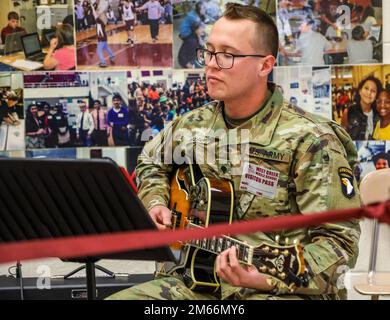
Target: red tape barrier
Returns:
[[74, 247]]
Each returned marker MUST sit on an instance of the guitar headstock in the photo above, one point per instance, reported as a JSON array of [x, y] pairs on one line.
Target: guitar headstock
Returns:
[[285, 263]]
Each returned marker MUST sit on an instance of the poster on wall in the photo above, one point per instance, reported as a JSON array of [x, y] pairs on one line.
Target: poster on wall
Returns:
[[123, 34], [192, 24], [76, 109], [361, 100], [11, 112], [330, 32], [372, 155], [306, 87]]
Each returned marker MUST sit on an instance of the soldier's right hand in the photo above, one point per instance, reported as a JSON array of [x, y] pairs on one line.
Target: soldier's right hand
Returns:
[[161, 216]]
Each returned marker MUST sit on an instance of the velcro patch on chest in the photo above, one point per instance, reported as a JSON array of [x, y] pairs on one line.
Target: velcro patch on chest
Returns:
[[269, 154]]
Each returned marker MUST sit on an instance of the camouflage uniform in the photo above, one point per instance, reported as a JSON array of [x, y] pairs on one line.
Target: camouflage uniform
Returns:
[[313, 156]]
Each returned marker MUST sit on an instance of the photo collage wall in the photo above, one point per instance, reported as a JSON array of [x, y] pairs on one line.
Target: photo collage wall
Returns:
[[113, 73]]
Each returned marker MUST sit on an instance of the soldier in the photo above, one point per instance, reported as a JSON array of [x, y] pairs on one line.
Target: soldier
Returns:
[[309, 157]]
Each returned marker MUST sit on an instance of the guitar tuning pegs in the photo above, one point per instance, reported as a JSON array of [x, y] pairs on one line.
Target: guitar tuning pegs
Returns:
[[266, 249], [275, 252], [286, 240], [285, 253], [282, 276], [277, 238]]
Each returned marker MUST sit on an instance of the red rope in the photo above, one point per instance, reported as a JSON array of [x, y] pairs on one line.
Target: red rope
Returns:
[[73, 247]]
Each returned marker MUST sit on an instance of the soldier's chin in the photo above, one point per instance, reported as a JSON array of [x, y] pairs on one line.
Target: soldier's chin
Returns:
[[217, 94]]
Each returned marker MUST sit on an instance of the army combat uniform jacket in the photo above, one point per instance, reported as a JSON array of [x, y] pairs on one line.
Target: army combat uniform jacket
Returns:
[[310, 159]]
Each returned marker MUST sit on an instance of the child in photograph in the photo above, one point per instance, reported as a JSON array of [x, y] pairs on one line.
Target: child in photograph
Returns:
[[312, 44], [192, 30], [155, 11], [61, 54], [84, 126], [100, 123], [361, 117], [381, 160], [129, 19], [360, 50], [12, 26], [118, 120], [102, 40], [111, 19], [8, 109], [59, 127], [80, 16], [35, 132], [382, 128]]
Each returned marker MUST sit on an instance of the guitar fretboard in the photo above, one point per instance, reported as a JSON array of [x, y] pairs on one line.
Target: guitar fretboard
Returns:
[[218, 244]]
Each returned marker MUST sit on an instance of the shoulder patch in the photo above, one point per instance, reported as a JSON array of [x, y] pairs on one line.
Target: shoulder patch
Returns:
[[346, 181]]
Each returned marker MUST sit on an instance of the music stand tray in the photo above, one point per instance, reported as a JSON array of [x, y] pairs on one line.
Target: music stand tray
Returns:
[[50, 198]]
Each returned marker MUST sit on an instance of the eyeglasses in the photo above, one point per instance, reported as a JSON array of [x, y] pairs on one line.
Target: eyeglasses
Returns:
[[224, 60]]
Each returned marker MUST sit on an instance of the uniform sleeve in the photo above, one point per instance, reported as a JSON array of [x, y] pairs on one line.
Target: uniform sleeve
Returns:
[[324, 181], [154, 167]]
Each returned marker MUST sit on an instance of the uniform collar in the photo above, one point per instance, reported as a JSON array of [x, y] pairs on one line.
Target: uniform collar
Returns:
[[262, 125]]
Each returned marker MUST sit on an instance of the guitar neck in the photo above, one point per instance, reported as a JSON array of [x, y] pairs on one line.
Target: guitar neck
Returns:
[[218, 244]]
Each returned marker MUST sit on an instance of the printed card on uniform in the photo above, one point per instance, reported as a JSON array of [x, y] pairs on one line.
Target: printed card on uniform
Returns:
[[258, 180]]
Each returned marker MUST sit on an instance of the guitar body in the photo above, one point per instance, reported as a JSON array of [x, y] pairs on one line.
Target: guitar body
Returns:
[[197, 201], [201, 201]]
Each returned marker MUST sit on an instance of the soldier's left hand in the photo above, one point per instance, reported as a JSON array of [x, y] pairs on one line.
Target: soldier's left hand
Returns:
[[229, 269]]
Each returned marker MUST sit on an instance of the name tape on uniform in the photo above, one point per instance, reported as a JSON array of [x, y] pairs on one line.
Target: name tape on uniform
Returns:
[[259, 181]]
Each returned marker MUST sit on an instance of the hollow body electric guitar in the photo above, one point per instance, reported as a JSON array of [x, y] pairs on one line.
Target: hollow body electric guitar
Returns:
[[196, 202]]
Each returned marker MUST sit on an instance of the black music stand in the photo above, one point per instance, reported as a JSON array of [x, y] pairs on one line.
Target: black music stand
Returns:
[[50, 198]]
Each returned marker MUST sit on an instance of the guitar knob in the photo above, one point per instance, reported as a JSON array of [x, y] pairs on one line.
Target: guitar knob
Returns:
[[296, 241], [286, 240], [277, 238], [201, 202], [282, 276], [263, 269], [285, 253], [266, 249], [275, 252], [272, 271]]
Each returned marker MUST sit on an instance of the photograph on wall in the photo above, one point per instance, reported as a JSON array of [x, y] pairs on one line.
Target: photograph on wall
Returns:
[[192, 23], [119, 34], [361, 100], [329, 32], [157, 98], [306, 87], [76, 109], [11, 112], [36, 37], [372, 155]]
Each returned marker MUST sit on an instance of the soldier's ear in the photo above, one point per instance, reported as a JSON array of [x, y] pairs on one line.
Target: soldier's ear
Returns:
[[266, 66]]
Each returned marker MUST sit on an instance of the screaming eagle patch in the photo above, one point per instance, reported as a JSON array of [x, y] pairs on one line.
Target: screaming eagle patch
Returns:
[[346, 180]]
